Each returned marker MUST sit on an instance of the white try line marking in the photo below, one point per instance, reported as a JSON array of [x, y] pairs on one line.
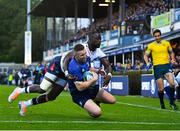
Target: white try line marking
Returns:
[[91, 122], [147, 107]]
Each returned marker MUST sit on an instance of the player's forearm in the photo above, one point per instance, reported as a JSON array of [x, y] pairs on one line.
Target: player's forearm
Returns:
[[84, 85], [172, 56], [106, 65], [146, 58], [109, 69]]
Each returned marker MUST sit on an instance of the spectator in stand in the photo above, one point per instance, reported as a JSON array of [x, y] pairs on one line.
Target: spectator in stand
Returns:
[[10, 79], [128, 66], [118, 67], [137, 65], [39, 73], [24, 75], [16, 78]]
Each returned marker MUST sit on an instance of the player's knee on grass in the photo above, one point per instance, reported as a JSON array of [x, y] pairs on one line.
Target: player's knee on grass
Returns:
[[96, 113], [113, 100], [110, 100], [92, 108]]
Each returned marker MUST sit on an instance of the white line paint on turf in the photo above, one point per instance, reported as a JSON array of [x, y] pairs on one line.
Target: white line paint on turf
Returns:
[[93, 122], [147, 107]]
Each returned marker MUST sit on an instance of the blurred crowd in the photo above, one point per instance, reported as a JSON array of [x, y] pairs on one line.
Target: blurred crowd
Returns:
[[139, 11], [140, 65], [135, 11], [27, 75]]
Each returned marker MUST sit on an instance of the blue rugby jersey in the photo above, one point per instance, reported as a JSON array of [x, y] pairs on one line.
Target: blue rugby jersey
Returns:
[[77, 69]]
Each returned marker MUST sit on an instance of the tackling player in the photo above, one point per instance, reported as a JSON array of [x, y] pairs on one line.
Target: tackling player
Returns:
[[52, 85]]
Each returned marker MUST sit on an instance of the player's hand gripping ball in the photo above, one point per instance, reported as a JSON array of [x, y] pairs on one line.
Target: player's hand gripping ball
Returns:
[[88, 75]]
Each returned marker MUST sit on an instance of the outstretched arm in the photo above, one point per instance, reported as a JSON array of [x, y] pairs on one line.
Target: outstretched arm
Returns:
[[106, 65], [108, 70]]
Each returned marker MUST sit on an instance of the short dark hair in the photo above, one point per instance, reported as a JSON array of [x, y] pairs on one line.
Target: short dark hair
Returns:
[[78, 47], [156, 31]]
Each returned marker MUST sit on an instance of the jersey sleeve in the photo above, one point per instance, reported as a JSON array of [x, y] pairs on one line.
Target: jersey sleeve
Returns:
[[100, 53], [149, 49]]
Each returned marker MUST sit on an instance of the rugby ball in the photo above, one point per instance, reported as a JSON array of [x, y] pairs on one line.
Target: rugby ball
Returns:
[[87, 75]]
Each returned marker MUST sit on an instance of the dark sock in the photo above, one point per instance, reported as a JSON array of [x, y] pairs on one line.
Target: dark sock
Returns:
[[26, 90], [172, 90], [40, 99], [178, 93], [167, 90], [161, 97]]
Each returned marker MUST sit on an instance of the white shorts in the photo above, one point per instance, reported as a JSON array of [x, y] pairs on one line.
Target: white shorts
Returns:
[[47, 85]]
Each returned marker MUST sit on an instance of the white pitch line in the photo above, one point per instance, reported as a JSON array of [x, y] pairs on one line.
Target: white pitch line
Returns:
[[92, 122], [147, 107]]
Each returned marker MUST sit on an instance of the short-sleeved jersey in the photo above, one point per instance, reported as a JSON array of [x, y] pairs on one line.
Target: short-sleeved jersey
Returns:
[[77, 69], [55, 68], [160, 52], [95, 56]]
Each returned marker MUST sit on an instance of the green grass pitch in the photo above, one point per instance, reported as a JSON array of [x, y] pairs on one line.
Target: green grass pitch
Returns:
[[130, 112]]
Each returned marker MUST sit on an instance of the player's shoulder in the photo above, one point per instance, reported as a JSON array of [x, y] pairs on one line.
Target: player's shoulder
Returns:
[[99, 51], [72, 66], [151, 45], [72, 62], [165, 42]]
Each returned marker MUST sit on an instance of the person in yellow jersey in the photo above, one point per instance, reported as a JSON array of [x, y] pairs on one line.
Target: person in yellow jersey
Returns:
[[10, 79], [162, 58]]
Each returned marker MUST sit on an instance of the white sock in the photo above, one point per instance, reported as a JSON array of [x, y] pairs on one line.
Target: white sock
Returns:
[[23, 90], [28, 102]]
